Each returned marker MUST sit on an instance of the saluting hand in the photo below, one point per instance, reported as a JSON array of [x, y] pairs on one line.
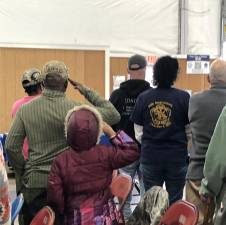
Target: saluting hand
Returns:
[[107, 129], [78, 86]]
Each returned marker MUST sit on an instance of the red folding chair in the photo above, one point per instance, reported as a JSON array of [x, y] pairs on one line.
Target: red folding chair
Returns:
[[45, 216], [120, 187], [180, 213]]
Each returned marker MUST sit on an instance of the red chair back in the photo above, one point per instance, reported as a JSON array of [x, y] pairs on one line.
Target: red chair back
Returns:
[[45, 216], [120, 187], [180, 213]]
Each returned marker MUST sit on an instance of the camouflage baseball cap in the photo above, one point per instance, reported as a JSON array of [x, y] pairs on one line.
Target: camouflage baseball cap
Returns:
[[31, 77], [55, 67]]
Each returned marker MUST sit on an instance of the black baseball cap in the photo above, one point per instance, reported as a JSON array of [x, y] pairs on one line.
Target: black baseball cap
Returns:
[[137, 62]]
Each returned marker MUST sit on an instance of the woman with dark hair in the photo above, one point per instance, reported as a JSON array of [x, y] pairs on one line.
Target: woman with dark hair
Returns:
[[160, 118], [165, 72]]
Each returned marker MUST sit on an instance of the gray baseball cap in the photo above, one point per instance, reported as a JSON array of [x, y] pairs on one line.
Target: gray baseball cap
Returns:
[[137, 62]]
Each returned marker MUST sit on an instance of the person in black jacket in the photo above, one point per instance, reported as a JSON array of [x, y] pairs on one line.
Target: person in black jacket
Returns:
[[124, 100]]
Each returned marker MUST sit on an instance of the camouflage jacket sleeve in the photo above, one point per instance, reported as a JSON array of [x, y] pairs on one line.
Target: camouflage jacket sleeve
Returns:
[[105, 107]]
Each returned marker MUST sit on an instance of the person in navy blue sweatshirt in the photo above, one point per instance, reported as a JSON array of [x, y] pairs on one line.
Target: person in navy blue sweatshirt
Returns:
[[160, 118]]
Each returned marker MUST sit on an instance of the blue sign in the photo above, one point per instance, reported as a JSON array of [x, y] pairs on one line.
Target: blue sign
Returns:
[[198, 64]]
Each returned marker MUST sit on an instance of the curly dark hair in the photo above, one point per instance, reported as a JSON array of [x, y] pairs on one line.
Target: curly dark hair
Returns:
[[165, 71]]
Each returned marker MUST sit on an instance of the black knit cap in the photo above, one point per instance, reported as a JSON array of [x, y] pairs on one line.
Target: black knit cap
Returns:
[[137, 62]]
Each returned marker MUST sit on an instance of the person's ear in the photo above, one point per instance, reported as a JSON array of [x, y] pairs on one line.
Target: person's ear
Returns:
[[40, 87], [208, 78], [65, 84]]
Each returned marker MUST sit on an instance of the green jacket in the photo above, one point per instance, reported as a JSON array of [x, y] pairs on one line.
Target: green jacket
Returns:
[[42, 121], [215, 164]]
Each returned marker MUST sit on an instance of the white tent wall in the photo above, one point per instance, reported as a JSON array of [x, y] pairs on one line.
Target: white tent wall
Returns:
[[204, 24], [142, 26], [149, 27]]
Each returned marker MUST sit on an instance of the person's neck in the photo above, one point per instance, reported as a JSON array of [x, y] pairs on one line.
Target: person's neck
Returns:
[[54, 89], [60, 89], [218, 84], [34, 94]]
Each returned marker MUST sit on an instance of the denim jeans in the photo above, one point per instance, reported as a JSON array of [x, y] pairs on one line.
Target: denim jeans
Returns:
[[132, 170], [172, 174]]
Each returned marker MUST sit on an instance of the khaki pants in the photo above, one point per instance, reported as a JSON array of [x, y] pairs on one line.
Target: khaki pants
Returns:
[[206, 211]]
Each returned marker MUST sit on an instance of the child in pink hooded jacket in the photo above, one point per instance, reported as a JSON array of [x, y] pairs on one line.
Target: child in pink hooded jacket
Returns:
[[80, 177]]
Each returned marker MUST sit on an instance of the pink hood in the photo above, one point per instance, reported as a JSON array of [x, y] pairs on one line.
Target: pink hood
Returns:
[[83, 127]]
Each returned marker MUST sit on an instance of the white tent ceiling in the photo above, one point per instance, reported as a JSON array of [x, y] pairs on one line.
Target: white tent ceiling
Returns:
[[126, 26]]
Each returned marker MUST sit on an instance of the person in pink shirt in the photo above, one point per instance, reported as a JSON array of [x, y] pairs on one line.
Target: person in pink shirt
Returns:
[[31, 82]]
